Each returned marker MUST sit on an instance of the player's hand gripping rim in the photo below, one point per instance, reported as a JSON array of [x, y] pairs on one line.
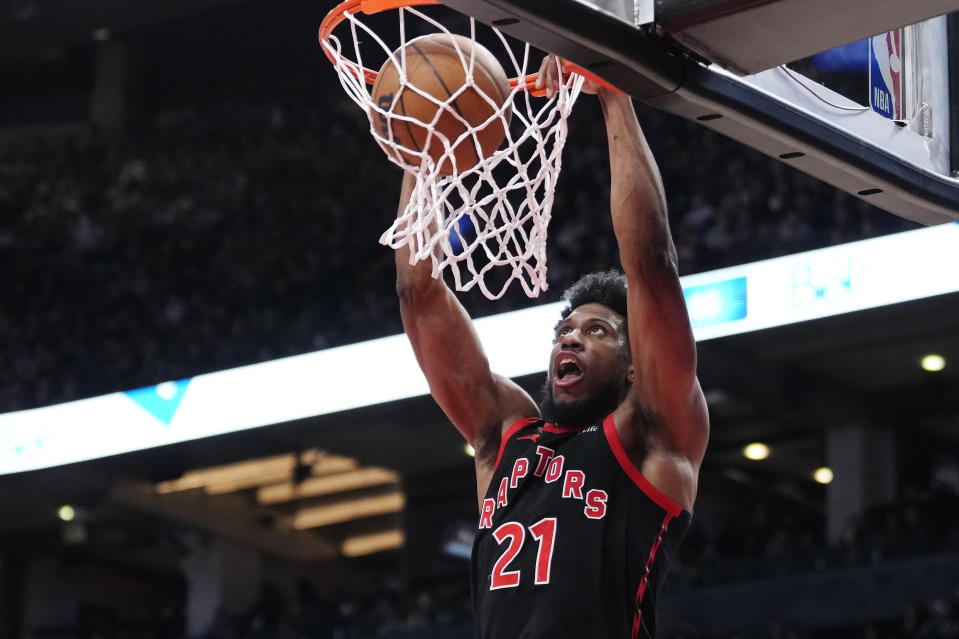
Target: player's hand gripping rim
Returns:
[[553, 70]]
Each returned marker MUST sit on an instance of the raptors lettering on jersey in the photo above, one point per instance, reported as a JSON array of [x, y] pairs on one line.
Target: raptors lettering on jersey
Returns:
[[572, 540], [549, 467]]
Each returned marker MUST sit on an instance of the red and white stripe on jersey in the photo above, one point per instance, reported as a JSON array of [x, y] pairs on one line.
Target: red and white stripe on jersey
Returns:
[[616, 445], [644, 582]]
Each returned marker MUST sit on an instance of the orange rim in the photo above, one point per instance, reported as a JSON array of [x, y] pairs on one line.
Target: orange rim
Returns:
[[338, 13]]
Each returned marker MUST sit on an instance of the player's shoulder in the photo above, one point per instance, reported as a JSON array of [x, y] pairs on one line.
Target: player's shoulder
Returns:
[[521, 427]]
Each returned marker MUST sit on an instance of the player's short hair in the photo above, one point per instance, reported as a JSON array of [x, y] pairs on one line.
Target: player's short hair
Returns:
[[607, 288]]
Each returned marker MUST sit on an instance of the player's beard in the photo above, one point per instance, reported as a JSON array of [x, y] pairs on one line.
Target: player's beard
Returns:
[[585, 412]]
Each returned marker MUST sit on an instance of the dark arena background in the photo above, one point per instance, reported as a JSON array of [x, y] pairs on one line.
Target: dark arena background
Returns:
[[185, 189]]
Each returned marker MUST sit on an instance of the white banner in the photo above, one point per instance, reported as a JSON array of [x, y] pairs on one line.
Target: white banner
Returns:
[[796, 288]]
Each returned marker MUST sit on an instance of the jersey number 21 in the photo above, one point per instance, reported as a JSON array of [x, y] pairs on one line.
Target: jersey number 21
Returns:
[[543, 533]]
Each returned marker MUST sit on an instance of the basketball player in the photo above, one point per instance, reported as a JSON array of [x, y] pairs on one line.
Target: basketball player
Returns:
[[584, 499]]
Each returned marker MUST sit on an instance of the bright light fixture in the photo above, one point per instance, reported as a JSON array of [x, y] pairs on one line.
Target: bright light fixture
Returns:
[[933, 363], [338, 513], [756, 451], [823, 475], [66, 513], [369, 544], [470, 450], [327, 485], [254, 473]]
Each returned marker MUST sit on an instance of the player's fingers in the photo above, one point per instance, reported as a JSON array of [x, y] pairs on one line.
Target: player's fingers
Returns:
[[541, 75], [546, 78], [553, 76], [589, 86]]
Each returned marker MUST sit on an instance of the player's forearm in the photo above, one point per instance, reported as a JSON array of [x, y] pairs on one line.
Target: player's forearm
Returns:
[[446, 346], [413, 280], [637, 198], [432, 316]]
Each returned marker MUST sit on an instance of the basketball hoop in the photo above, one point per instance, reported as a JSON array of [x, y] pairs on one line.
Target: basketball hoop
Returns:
[[494, 213]]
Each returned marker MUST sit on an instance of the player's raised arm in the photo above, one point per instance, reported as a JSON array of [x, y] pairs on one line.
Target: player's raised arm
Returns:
[[479, 402], [666, 389]]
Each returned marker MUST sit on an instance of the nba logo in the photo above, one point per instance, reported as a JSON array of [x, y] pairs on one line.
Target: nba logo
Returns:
[[887, 74]]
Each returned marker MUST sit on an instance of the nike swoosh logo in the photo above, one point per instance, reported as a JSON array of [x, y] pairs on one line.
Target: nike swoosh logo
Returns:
[[532, 437]]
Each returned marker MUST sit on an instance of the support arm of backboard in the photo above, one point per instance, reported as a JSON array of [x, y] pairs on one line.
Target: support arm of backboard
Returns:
[[868, 169], [747, 36], [657, 71], [597, 41]]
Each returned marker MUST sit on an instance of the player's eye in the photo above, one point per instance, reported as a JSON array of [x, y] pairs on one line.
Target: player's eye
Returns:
[[597, 330]]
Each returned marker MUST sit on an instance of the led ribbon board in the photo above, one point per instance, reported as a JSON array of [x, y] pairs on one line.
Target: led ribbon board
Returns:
[[796, 288]]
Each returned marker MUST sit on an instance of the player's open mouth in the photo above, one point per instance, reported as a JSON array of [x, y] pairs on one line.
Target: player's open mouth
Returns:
[[568, 371]]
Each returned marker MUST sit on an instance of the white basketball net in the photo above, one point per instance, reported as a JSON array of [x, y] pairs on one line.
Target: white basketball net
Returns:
[[494, 214]]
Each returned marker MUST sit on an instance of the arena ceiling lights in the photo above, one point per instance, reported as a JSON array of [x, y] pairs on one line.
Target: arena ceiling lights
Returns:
[[796, 288]]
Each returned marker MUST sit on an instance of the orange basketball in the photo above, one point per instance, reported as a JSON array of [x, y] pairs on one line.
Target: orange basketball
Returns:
[[434, 67]]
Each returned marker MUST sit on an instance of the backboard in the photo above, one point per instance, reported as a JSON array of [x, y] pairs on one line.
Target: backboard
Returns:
[[746, 69]]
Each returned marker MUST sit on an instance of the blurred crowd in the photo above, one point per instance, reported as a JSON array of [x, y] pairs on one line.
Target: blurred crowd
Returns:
[[777, 539], [769, 541], [922, 619], [926, 619], [439, 611], [391, 617], [233, 231], [767, 544]]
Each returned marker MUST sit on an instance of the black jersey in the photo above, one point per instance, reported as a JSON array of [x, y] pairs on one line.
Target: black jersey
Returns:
[[573, 541]]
